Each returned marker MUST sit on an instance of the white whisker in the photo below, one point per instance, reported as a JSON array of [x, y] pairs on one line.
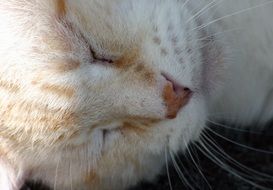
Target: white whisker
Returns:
[[197, 167], [241, 145], [191, 180], [204, 9], [232, 14], [219, 33], [167, 168], [227, 157], [215, 154], [179, 172], [184, 4], [56, 174], [71, 177], [234, 128], [224, 166]]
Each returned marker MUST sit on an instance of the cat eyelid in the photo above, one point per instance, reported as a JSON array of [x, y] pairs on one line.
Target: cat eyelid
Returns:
[[99, 59]]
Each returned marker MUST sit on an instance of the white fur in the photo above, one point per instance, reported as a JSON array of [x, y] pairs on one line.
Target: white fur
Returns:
[[247, 95], [222, 74], [10, 178]]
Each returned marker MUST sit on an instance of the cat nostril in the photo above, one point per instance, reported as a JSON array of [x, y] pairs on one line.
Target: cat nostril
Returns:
[[175, 96]]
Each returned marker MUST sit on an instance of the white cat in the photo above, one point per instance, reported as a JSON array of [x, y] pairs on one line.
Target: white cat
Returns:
[[94, 94]]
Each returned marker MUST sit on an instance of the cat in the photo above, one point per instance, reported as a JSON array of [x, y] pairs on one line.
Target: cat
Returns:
[[94, 94]]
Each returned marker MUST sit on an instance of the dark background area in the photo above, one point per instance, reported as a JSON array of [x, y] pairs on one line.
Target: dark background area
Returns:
[[241, 160]]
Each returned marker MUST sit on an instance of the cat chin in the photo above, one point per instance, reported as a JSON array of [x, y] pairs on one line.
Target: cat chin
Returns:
[[188, 125]]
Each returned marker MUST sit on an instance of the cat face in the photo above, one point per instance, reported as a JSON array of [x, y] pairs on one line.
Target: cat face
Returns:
[[121, 77], [135, 62]]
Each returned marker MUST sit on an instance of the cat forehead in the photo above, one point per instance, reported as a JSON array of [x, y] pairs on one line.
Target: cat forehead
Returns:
[[120, 24], [124, 15]]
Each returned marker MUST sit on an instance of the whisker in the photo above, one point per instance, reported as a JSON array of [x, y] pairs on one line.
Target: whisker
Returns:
[[216, 153], [219, 33], [207, 41], [179, 172], [201, 47], [187, 173], [71, 177], [227, 157], [167, 168], [224, 166], [197, 167], [232, 14], [221, 114], [204, 9], [241, 145], [235, 129], [184, 4], [56, 174]]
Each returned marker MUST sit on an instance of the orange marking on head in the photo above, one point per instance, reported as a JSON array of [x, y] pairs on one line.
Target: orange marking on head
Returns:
[[55, 39], [129, 127], [61, 120], [38, 113], [146, 73], [9, 86], [39, 77], [91, 178], [63, 91], [130, 57], [63, 137], [60, 138], [9, 136], [65, 65], [61, 7], [143, 121], [149, 76], [131, 61], [55, 43], [4, 151], [139, 68]]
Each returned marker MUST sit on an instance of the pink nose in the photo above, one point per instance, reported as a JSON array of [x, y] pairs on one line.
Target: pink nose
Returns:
[[175, 97]]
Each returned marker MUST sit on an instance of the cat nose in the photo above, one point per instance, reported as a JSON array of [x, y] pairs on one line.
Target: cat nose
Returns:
[[175, 96]]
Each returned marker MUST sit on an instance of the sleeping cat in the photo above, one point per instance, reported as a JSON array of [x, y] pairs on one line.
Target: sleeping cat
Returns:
[[95, 93]]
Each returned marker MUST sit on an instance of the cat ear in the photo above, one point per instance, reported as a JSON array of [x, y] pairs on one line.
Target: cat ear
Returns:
[[9, 180]]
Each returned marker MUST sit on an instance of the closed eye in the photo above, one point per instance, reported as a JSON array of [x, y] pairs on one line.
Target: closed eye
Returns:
[[99, 59]]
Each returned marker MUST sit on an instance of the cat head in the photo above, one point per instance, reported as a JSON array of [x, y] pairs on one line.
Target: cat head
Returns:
[[147, 70], [124, 76]]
